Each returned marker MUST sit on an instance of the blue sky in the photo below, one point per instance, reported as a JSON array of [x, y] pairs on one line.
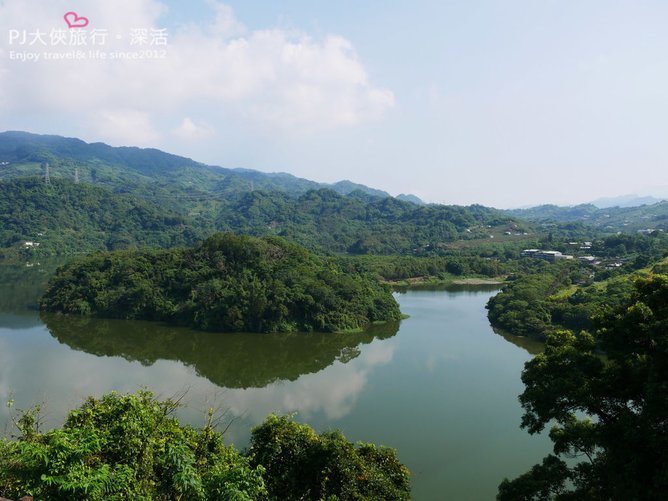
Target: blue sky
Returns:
[[505, 103]]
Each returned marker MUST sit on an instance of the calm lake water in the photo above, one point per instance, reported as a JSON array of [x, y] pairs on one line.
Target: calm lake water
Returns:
[[441, 387]]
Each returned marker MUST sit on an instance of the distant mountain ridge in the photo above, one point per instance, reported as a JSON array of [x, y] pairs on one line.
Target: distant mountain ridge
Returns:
[[27, 149], [137, 197], [611, 219], [624, 201]]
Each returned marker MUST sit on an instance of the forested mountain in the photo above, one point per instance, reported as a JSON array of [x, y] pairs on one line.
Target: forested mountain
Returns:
[[130, 197], [355, 224], [22, 154], [611, 219], [65, 217]]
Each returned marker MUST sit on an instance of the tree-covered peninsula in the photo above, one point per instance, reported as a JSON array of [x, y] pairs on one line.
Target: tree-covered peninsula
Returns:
[[227, 283]]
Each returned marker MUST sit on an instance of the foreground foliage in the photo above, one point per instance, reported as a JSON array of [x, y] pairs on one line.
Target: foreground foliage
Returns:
[[125, 447], [131, 447], [611, 412], [227, 283], [301, 464]]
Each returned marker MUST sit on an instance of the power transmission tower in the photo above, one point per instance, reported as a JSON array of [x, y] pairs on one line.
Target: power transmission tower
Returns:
[[76, 175], [47, 178]]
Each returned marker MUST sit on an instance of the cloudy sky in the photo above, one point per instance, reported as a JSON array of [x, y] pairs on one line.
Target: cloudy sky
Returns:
[[500, 102]]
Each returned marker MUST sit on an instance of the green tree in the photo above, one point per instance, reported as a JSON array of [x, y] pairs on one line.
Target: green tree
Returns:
[[131, 447], [611, 412], [125, 447], [302, 465]]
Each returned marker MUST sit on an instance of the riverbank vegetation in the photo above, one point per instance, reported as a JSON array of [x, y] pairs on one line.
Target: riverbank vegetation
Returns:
[[609, 413]]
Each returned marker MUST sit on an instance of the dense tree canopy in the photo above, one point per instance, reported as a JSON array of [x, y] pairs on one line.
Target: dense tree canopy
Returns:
[[301, 464], [342, 217], [524, 306], [132, 447], [227, 283], [124, 447], [356, 224], [69, 218], [567, 294], [610, 413]]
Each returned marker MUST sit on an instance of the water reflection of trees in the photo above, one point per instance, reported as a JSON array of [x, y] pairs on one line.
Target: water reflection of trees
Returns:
[[231, 360], [22, 284], [530, 345]]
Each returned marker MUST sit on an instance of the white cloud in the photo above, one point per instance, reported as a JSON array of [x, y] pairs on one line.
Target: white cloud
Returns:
[[125, 127], [272, 78], [225, 23], [190, 130]]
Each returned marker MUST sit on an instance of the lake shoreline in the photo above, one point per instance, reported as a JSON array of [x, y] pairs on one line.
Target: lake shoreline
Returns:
[[425, 283]]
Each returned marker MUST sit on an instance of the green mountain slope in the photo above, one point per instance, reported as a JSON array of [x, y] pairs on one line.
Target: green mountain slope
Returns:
[[176, 192], [22, 154], [355, 224], [69, 218]]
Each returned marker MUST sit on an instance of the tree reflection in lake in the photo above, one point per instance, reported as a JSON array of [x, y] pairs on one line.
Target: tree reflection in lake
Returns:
[[23, 283], [230, 360], [530, 345]]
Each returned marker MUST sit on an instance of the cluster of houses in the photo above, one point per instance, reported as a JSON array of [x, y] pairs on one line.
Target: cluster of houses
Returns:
[[552, 256], [548, 255]]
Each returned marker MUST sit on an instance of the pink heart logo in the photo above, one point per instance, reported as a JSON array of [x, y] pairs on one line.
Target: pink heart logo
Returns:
[[75, 21]]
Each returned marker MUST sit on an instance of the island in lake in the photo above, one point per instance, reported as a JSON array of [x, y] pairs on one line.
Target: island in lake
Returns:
[[228, 283]]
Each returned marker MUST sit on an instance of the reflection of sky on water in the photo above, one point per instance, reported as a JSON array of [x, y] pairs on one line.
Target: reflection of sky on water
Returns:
[[332, 391], [35, 367]]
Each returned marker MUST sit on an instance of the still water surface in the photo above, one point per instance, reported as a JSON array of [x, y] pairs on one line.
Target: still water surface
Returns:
[[441, 386]]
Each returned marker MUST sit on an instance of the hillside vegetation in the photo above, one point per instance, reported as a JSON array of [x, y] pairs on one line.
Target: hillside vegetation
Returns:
[[343, 217], [568, 294], [607, 415], [66, 218]]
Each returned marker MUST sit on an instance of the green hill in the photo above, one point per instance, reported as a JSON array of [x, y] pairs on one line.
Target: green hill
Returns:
[[355, 224], [227, 283], [23, 154], [174, 194], [76, 218]]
